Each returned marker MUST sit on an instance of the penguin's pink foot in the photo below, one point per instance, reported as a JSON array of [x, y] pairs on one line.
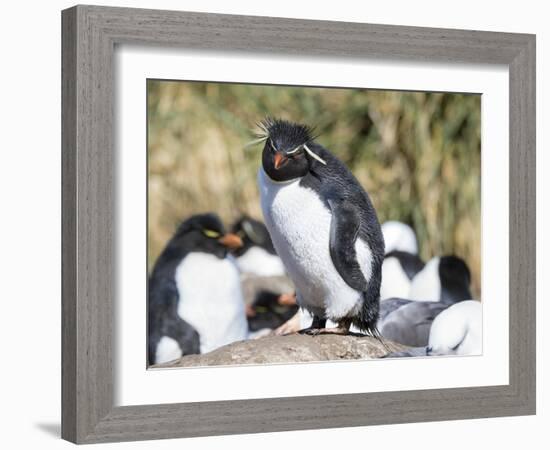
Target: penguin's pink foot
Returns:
[[289, 327]]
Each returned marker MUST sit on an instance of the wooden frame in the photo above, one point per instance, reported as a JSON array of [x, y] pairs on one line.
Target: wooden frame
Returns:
[[90, 34]]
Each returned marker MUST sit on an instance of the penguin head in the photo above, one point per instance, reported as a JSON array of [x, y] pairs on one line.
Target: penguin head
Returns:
[[287, 154], [205, 233], [270, 310], [253, 233], [455, 279]]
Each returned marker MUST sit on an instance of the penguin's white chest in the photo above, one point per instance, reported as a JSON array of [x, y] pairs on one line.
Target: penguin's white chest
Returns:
[[426, 285], [211, 299], [260, 262], [395, 282], [299, 225]]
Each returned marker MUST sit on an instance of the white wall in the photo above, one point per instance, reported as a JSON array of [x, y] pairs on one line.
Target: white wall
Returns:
[[30, 220]]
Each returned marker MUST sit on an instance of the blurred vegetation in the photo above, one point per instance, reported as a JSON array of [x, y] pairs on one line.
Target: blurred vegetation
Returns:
[[416, 153]]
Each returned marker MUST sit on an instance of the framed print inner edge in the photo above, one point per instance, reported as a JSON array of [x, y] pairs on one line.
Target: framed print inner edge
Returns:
[[135, 386]]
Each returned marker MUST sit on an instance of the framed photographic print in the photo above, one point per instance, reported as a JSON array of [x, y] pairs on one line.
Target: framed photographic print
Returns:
[[255, 209]]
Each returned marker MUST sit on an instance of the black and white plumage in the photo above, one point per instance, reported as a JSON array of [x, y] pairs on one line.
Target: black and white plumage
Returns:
[[444, 278], [257, 256], [456, 330], [398, 271], [442, 282], [195, 302], [323, 226], [269, 311]]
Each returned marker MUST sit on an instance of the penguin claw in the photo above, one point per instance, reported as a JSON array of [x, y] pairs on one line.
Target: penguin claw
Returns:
[[311, 331], [317, 331]]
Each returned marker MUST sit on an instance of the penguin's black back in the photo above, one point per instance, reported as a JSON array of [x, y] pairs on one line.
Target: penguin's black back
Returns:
[[335, 182], [163, 292], [163, 320]]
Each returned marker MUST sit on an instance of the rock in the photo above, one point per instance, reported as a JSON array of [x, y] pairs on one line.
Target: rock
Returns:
[[292, 325], [291, 349]]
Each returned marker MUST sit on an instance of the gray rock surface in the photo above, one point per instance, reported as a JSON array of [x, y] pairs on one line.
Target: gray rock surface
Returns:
[[291, 349]]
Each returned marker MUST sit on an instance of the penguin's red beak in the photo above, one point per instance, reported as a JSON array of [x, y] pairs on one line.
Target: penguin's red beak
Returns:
[[286, 299], [279, 160], [250, 311], [231, 241]]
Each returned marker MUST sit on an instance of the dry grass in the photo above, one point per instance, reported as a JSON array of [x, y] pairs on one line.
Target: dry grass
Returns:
[[417, 154]]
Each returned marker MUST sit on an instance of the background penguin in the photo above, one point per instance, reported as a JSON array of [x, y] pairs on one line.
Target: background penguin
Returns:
[[445, 279], [270, 310], [257, 256], [398, 270], [323, 226], [457, 330], [410, 323], [195, 300], [399, 236]]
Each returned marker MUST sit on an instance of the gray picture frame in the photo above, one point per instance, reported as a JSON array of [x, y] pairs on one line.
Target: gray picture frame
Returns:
[[89, 37]]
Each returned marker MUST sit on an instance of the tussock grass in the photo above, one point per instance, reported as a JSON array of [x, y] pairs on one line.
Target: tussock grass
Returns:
[[417, 154]]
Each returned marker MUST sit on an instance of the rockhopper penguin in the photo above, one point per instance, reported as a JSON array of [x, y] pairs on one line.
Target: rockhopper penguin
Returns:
[[457, 330], [399, 236], [398, 271], [323, 226], [257, 255], [443, 278], [195, 299], [270, 310]]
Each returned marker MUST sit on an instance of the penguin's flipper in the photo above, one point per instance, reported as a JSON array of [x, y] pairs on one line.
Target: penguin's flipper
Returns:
[[344, 229], [184, 333]]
